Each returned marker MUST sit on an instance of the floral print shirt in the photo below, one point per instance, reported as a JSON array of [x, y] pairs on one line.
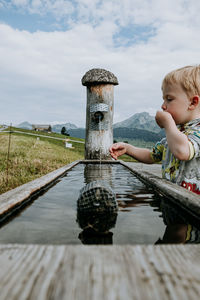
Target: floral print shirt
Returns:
[[184, 173]]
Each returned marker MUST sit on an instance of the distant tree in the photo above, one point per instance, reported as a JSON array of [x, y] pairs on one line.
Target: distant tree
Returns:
[[126, 142], [114, 141], [63, 130]]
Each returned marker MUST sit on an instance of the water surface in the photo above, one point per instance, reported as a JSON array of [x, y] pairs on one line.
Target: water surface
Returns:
[[52, 217]]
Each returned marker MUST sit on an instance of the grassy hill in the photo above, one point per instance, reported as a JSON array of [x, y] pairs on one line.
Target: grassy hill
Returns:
[[31, 157]]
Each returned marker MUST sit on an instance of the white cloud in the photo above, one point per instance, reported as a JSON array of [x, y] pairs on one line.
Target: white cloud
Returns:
[[41, 72]]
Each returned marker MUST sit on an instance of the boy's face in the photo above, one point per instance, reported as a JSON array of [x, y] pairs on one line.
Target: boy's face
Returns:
[[176, 102]]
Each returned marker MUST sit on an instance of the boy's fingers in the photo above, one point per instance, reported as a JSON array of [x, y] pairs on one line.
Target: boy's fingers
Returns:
[[114, 156], [115, 147]]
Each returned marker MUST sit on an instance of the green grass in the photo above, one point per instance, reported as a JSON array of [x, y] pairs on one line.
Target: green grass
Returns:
[[31, 158], [127, 158], [79, 148]]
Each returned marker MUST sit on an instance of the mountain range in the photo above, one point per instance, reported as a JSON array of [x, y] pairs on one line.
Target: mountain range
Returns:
[[139, 126], [142, 121]]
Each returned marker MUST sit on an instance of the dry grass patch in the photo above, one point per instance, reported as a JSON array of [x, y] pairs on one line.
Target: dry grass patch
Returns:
[[30, 158]]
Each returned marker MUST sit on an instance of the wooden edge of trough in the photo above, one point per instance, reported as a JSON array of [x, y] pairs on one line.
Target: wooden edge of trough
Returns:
[[186, 199], [18, 196], [99, 272]]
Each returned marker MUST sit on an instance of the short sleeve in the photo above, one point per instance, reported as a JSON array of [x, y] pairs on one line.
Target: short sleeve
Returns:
[[157, 151], [192, 150], [194, 139]]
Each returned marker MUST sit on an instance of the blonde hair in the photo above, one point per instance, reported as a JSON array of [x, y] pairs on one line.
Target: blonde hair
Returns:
[[188, 77]]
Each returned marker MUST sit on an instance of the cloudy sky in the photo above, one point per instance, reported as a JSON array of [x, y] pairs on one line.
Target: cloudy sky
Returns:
[[46, 46]]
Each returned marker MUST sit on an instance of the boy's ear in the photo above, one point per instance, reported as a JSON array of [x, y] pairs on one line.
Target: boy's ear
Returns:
[[194, 102]]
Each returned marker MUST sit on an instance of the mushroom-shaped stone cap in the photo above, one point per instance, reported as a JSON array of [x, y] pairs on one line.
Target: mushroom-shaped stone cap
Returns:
[[97, 76]]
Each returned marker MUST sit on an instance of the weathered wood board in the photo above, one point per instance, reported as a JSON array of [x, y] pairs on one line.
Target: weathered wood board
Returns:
[[179, 195], [99, 272]]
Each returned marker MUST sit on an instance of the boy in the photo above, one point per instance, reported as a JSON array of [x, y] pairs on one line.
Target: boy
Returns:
[[180, 150]]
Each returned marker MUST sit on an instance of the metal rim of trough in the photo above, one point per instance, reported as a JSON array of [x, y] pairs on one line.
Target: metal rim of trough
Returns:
[[14, 199]]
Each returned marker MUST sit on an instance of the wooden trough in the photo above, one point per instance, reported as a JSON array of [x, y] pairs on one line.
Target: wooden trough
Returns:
[[99, 272]]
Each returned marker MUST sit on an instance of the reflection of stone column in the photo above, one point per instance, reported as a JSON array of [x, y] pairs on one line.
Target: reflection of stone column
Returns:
[[96, 212], [93, 172], [97, 197], [99, 114], [91, 237]]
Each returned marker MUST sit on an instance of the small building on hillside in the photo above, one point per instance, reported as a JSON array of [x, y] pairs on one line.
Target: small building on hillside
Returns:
[[40, 127]]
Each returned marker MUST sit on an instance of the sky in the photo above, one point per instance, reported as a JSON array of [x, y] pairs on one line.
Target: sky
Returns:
[[47, 46]]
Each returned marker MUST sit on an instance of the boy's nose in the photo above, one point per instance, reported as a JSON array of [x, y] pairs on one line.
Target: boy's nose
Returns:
[[163, 106]]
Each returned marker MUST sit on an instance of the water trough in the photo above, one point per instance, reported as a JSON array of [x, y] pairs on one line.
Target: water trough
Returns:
[[100, 272]]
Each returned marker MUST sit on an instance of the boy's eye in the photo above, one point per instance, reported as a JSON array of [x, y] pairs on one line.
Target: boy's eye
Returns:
[[169, 99]]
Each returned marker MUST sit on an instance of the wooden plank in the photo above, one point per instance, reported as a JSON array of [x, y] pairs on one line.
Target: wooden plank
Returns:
[[155, 169], [179, 195], [100, 272]]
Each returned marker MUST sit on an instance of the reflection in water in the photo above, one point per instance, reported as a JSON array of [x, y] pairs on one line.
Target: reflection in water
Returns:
[[95, 224], [178, 230], [135, 199], [98, 172], [96, 213]]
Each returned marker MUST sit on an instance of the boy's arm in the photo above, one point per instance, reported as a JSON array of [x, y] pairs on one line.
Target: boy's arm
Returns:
[[140, 154], [177, 141]]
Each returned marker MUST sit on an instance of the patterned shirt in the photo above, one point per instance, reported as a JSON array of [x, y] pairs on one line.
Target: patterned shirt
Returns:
[[184, 173]]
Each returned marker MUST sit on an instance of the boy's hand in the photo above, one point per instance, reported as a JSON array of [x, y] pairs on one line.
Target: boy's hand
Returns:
[[117, 149], [177, 141], [163, 119]]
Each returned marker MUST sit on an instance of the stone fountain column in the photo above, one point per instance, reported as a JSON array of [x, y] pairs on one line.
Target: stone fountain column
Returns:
[[99, 113]]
